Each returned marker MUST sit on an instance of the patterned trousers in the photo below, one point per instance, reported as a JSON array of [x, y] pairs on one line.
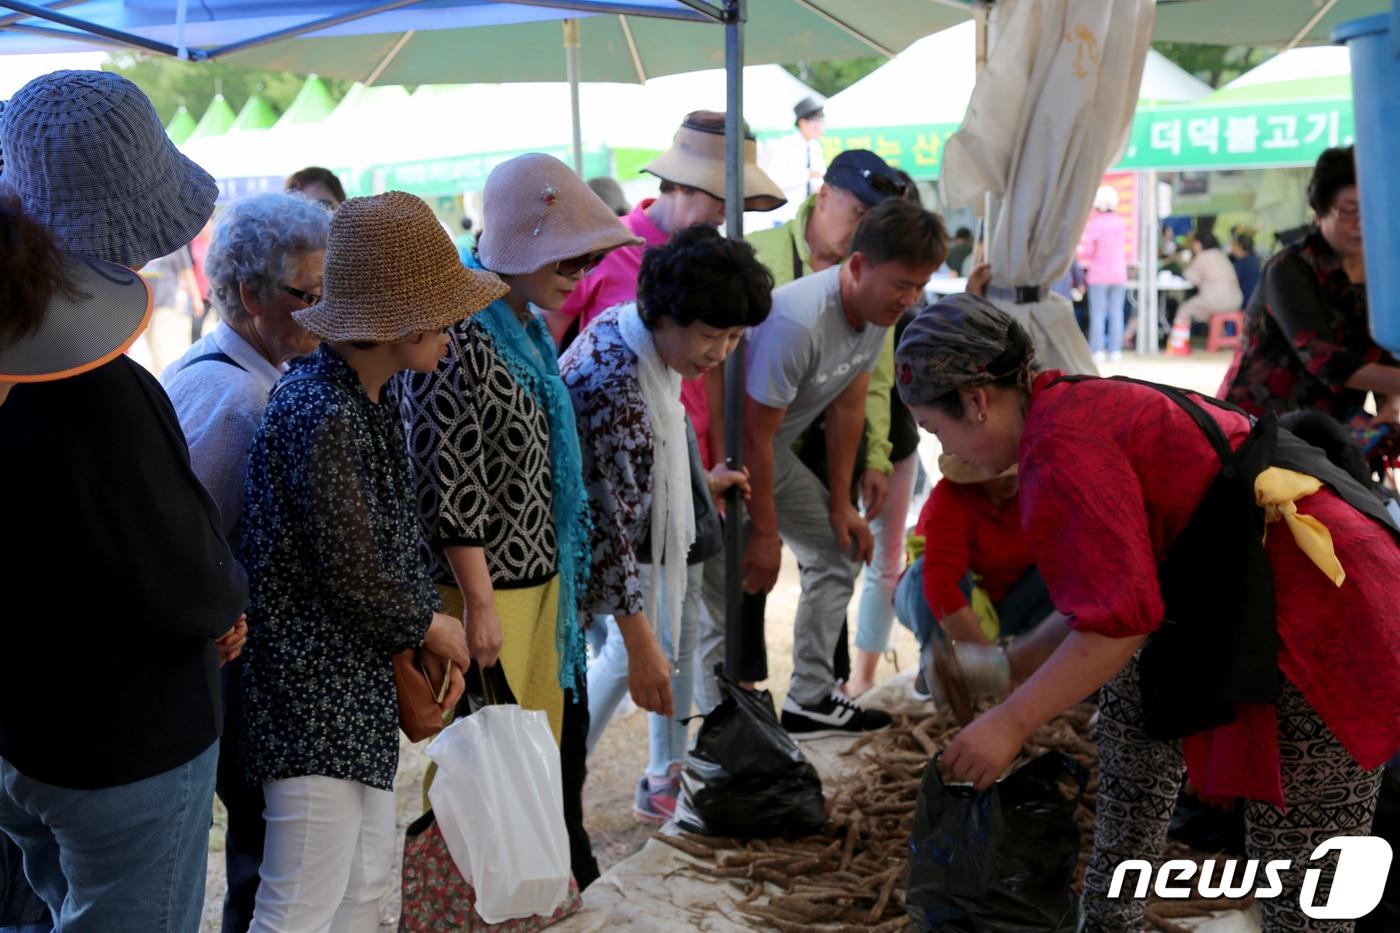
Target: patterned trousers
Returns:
[[1327, 793]]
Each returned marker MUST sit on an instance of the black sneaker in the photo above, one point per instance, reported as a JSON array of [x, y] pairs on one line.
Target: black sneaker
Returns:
[[835, 715]]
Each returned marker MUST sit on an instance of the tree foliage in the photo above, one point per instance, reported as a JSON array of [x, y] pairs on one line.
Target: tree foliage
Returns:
[[828, 78], [170, 82], [1214, 64]]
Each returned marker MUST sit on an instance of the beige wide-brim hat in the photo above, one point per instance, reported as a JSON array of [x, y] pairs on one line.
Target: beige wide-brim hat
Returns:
[[536, 211], [391, 271], [83, 328], [960, 471], [696, 160]]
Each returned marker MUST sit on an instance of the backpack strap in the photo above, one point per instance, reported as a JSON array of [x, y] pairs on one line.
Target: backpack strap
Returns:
[[295, 377], [1208, 425], [218, 356]]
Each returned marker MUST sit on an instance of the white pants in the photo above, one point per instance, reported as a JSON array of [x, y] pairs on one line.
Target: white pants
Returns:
[[328, 856]]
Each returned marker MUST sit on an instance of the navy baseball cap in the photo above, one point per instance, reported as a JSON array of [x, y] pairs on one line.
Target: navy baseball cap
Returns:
[[865, 175]]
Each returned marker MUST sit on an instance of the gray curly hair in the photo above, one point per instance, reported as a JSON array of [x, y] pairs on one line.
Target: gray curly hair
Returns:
[[253, 238]]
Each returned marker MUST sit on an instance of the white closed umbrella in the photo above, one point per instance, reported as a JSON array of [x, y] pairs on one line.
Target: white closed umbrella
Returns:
[[1049, 114]]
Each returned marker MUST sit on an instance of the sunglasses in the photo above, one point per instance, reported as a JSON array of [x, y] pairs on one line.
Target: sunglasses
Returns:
[[885, 185], [310, 298], [578, 265]]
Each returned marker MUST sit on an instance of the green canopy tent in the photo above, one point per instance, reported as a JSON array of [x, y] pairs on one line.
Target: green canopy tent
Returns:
[[312, 104], [257, 114], [181, 126], [217, 119]]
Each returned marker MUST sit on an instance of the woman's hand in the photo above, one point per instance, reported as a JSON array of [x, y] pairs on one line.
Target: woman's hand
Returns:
[[230, 644], [484, 636], [436, 669], [447, 639], [721, 479], [648, 671], [984, 748]]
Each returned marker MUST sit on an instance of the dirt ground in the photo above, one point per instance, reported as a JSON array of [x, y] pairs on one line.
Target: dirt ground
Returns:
[[622, 752]]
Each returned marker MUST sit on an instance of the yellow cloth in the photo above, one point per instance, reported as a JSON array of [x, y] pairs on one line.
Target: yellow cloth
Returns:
[[1278, 490], [985, 609], [528, 653]]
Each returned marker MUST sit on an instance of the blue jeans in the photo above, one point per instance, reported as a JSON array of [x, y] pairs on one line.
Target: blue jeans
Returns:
[[116, 859], [876, 614], [607, 676], [1106, 305], [1023, 607]]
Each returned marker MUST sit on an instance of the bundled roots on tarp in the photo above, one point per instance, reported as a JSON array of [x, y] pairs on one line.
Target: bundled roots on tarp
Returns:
[[851, 876]]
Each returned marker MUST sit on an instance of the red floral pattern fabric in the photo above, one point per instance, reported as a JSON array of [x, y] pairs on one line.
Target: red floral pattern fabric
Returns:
[[437, 899], [1110, 474]]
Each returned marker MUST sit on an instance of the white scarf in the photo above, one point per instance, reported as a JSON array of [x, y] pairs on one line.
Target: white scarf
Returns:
[[672, 508]]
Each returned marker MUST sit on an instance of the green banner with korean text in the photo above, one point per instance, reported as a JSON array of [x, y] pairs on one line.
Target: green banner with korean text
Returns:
[[1254, 135]]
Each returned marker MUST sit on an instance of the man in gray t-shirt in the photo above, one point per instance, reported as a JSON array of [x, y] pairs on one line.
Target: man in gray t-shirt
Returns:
[[814, 355]]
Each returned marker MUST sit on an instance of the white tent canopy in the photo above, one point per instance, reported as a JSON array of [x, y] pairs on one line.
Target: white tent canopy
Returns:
[[931, 83]]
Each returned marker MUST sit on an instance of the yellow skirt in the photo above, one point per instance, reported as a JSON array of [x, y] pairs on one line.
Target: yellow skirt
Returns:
[[528, 652]]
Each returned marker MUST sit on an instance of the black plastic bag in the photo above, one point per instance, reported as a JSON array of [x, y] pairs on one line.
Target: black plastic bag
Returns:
[[745, 777], [1000, 860]]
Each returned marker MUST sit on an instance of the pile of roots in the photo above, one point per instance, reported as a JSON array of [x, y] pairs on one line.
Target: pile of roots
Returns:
[[851, 875]]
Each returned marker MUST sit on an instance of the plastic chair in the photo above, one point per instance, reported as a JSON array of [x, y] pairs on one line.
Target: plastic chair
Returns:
[[1219, 339]]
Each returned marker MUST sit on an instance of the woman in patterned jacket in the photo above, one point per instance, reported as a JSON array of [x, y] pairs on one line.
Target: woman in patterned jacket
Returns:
[[654, 520], [496, 465]]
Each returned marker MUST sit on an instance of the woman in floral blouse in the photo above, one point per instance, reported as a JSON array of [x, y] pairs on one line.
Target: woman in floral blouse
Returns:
[[1307, 339], [495, 460], [330, 542], [653, 523]]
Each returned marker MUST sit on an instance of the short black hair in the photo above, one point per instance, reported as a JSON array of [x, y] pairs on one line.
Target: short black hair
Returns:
[[1335, 170], [896, 230], [1245, 241], [1206, 239], [1329, 435], [963, 234], [700, 275], [314, 174], [911, 187]]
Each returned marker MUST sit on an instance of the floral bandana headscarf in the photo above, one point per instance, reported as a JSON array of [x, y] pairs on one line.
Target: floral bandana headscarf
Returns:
[[960, 342]]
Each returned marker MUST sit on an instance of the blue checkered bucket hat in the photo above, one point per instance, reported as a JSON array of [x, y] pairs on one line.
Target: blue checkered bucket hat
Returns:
[[89, 159]]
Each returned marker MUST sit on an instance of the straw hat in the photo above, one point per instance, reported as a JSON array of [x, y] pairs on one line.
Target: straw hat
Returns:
[[391, 271], [537, 211], [94, 323], [696, 160], [957, 470], [89, 159]]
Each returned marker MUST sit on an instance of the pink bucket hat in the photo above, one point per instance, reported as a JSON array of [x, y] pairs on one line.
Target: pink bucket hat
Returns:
[[537, 211]]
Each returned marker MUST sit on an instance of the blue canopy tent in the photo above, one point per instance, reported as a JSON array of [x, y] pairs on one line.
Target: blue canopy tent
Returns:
[[506, 40]]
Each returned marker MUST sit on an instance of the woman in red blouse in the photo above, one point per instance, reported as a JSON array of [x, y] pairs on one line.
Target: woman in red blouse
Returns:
[[1111, 473]]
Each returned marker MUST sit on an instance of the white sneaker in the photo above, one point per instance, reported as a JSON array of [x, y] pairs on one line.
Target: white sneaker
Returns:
[[1100, 356], [1115, 356]]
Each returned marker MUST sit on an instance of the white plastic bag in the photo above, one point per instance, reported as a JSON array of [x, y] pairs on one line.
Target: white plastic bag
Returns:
[[498, 800]]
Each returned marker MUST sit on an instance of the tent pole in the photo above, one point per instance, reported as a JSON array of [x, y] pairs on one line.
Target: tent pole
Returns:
[[1148, 342], [735, 13], [571, 61]]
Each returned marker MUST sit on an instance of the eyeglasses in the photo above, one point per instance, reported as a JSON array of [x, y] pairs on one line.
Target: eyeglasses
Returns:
[[1347, 215], [884, 184], [311, 298], [578, 265]]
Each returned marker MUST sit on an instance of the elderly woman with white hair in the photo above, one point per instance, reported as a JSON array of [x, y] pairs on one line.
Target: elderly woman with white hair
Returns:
[[1102, 254], [264, 262]]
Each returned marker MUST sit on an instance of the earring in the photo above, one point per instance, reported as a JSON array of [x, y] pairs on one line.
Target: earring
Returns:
[[982, 417]]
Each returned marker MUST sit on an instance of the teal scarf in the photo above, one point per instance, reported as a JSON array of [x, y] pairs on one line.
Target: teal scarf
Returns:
[[529, 354]]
